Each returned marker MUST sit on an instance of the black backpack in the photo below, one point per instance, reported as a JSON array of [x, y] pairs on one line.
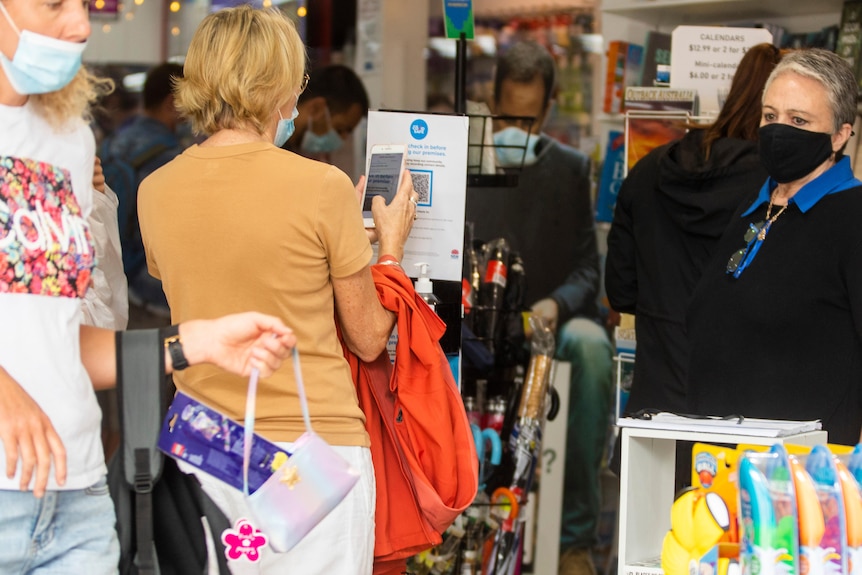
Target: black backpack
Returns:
[[160, 510]]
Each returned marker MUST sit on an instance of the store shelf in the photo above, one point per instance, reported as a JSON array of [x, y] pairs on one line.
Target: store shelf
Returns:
[[647, 484], [611, 118], [669, 13]]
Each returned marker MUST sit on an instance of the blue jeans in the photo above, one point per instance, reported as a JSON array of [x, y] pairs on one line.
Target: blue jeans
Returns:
[[63, 533], [585, 344]]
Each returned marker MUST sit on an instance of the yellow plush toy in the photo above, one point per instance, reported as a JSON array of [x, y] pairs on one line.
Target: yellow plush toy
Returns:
[[698, 520]]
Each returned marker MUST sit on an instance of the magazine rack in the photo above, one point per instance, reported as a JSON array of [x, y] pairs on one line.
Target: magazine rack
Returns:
[[673, 125]]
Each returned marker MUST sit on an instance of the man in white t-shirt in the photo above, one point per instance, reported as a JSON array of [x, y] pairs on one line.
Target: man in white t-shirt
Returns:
[[55, 502]]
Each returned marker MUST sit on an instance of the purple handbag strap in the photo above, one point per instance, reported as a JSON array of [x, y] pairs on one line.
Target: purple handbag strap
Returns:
[[250, 401]]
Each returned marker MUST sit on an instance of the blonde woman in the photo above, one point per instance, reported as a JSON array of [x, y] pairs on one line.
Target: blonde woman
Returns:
[[237, 223], [56, 514]]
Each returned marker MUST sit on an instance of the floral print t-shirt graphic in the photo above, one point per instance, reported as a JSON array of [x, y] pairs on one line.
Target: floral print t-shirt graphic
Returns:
[[45, 244]]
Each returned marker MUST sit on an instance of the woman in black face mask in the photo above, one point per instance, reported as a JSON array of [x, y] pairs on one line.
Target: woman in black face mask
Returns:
[[776, 321], [671, 211]]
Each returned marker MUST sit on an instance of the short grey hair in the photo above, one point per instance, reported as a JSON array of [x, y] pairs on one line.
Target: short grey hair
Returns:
[[832, 71]]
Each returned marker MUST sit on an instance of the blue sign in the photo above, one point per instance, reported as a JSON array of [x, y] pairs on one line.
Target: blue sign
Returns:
[[458, 15], [419, 129]]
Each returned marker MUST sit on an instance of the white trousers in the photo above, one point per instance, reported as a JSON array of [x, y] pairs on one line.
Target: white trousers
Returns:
[[342, 543]]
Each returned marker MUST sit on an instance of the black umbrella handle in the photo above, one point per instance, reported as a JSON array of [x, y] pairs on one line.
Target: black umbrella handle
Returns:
[[554, 408]]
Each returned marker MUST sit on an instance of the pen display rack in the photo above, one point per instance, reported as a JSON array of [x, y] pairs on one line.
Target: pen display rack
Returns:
[[647, 485]]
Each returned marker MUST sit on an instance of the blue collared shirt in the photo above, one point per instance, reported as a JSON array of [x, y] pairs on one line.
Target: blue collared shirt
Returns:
[[836, 179]]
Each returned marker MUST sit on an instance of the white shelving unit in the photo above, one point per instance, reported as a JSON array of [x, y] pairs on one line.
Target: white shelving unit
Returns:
[[647, 485]]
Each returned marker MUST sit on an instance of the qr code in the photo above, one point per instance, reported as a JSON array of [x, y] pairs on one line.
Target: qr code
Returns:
[[422, 185]]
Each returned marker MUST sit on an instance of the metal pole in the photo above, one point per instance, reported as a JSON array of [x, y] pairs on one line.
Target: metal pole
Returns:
[[461, 75]]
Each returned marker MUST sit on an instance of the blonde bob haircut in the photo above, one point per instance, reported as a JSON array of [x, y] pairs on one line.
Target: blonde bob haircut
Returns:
[[243, 65]]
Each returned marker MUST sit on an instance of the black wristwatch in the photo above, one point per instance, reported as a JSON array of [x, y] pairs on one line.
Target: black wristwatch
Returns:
[[174, 346]]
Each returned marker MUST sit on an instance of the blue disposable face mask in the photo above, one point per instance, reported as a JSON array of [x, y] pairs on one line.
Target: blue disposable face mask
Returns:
[[321, 143], [285, 128], [41, 64], [513, 141]]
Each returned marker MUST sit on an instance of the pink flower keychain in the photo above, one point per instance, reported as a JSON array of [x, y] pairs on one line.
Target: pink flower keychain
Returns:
[[243, 539]]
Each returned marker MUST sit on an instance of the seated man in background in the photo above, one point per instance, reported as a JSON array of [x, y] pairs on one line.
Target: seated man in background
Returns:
[[548, 220], [330, 108]]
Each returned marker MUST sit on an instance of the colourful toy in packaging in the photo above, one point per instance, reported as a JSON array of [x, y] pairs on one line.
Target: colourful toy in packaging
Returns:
[[811, 525], [852, 506], [200, 436], [767, 511], [714, 470], [853, 517], [815, 555], [854, 463], [829, 555], [698, 520]]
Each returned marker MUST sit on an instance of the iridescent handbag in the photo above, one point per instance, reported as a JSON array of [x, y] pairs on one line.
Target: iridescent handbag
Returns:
[[305, 488]]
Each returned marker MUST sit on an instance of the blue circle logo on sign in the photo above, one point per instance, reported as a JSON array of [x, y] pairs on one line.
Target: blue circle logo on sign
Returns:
[[419, 129]]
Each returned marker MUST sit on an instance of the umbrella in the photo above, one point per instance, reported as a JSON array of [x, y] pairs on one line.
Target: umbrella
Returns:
[[525, 445]]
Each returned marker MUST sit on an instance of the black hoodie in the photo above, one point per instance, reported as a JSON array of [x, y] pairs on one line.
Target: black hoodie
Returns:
[[672, 208]]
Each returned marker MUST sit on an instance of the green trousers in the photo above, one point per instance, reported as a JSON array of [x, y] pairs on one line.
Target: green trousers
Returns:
[[585, 344]]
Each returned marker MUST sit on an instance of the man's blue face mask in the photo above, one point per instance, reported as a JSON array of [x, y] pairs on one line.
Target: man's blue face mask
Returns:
[[509, 144], [41, 64], [321, 143]]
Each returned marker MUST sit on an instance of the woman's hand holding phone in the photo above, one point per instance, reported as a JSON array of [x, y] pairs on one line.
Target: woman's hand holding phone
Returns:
[[383, 173], [395, 221]]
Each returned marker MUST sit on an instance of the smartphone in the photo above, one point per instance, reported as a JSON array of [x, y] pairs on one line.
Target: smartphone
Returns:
[[382, 176]]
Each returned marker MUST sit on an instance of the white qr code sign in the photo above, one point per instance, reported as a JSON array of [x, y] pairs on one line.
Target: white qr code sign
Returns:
[[436, 157]]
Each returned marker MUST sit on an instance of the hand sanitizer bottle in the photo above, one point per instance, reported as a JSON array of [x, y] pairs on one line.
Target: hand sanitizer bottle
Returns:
[[424, 287]]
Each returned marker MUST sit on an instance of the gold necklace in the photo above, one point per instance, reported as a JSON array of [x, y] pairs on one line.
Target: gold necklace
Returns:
[[770, 219]]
